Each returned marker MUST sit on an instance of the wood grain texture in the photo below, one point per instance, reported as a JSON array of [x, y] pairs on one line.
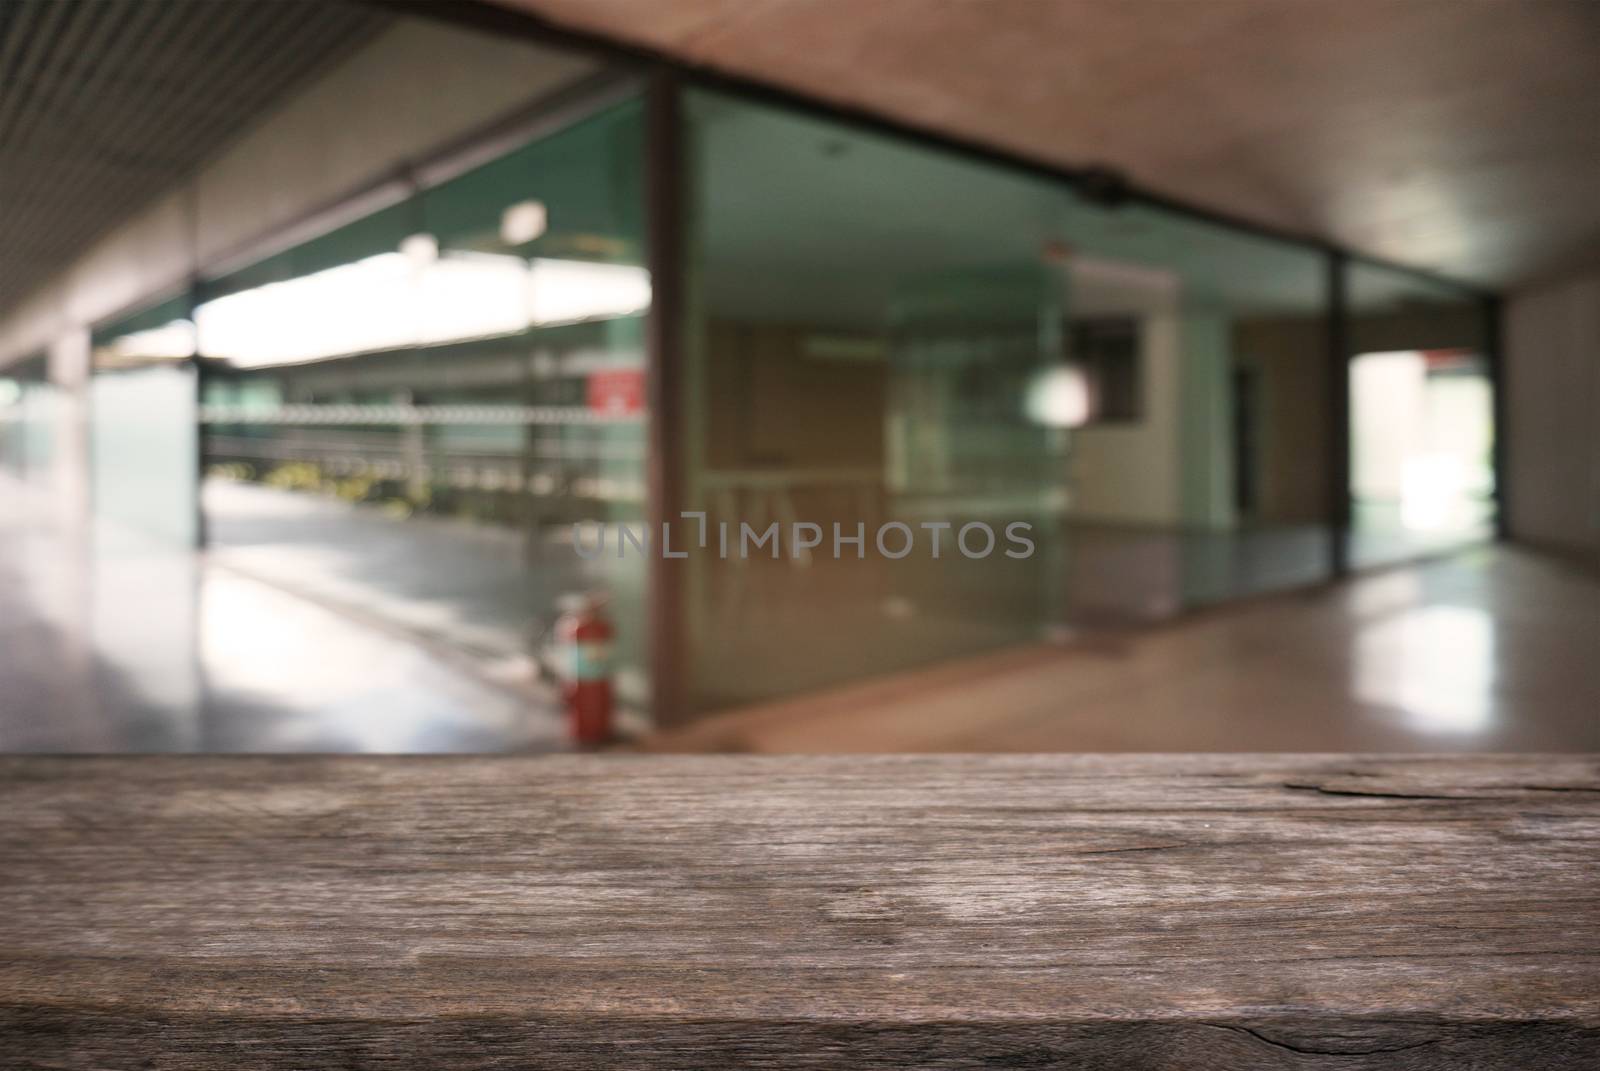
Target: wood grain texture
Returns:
[[896, 912]]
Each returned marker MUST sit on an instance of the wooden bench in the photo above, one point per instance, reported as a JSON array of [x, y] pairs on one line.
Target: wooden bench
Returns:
[[1182, 912]]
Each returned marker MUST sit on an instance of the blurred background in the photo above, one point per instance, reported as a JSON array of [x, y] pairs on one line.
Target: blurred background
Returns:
[[322, 325]]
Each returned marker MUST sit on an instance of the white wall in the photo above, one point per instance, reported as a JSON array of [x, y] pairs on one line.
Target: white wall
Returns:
[[1129, 473], [1552, 374], [418, 87], [69, 464]]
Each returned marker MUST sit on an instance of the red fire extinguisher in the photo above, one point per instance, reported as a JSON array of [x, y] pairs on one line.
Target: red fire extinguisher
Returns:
[[584, 637]]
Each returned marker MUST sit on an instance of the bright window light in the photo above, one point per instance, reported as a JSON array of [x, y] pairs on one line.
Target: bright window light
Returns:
[[1431, 485], [1420, 441]]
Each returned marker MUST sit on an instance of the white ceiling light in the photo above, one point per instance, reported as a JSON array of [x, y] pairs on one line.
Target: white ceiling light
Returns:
[[523, 222], [1059, 397], [566, 291], [173, 340], [390, 301], [420, 249]]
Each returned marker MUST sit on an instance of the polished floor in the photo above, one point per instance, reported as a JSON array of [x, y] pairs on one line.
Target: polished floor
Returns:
[[1492, 649], [464, 585], [110, 644], [107, 644]]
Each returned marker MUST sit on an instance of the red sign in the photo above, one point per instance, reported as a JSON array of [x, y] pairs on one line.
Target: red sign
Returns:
[[617, 391]]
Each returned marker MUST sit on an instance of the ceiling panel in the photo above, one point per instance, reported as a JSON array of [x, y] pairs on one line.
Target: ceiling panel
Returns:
[[1461, 136], [105, 104]]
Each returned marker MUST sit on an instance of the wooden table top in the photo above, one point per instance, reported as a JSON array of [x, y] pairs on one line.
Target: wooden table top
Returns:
[[704, 912]]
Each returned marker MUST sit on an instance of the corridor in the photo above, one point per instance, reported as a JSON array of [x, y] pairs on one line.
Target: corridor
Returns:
[[1493, 649]]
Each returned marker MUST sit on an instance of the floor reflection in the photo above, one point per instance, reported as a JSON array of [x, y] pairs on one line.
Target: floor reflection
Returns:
[[1492, 649], [111, 643], [1434, 666], [316, 682]]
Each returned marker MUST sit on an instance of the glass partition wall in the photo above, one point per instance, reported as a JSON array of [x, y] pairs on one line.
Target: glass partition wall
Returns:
[[891, 339], [142, 606], [27, 420], [926, 406], [405, 417], [142, 424], [1216, 468]]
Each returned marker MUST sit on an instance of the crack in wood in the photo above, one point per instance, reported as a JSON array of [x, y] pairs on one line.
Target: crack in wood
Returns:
[[802, 913], [1298, 786], [1302, 1050]]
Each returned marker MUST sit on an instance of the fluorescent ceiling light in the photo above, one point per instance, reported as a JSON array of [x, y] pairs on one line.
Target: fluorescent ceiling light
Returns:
[[567, 291], [392, 301]]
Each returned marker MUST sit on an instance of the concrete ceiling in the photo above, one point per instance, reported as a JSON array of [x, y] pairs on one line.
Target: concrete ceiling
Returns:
[[105, 104], [1461, 136]]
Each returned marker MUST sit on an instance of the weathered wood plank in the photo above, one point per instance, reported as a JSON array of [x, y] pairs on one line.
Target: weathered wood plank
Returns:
[[697, 912]]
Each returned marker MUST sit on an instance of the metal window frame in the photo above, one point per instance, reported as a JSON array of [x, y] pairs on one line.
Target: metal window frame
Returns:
[[1337, 460], [666, 208]]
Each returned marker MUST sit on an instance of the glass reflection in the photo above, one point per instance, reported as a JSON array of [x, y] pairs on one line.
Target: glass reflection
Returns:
[[143, 395], [28, 417], [882, 333], [404, 417]]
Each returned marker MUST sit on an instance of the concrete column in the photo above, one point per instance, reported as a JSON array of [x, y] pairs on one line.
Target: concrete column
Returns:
[[70, 491]]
